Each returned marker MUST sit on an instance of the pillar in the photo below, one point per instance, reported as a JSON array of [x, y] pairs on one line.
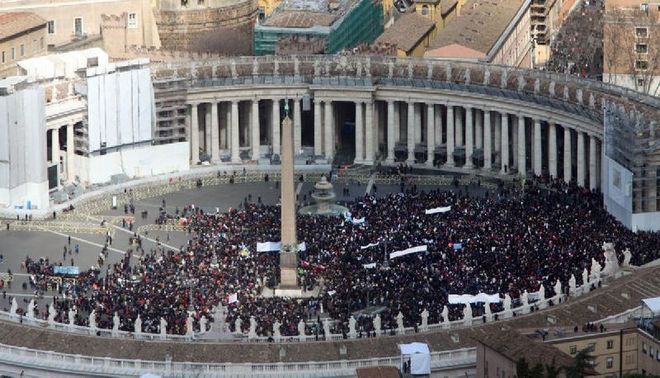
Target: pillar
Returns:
[[369, 133], [70, 152], [458, 137], [567, 155], [215, 133], [256, 138], [329, 124], [227, 144], [469, 137], [318, 137], [552, 149], [430, 134], [593, 184], [522, 158], [390, 132], [359, 133], [488, 153], [411, 133], [55, 150], [235, 143], [297, 126], [418, 123], [275, 124], [538, 152], [581, 157], [450, 135], [207, 129], [505, 143], [194, 134]]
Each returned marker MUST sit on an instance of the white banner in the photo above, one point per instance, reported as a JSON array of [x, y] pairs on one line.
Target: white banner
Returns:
[[276, 246], [438, 210], [369, 245], [421, 248], [467, 298], [369, 266], [233, 298]]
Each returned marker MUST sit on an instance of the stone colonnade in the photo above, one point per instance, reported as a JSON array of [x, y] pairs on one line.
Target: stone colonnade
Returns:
[[62, 137], [433, 133]]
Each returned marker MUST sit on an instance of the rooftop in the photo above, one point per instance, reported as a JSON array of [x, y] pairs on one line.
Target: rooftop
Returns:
[[479, 26], [307, 13], [13, 23], [407, 31]]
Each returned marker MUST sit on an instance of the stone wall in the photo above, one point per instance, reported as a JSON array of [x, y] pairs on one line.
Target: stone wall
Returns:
[[226, 30]]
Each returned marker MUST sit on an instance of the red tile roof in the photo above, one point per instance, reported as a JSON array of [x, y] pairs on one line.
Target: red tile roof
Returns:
[[12, 23]]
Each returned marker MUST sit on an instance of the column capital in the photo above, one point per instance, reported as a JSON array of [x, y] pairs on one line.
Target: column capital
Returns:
[[467, 107]]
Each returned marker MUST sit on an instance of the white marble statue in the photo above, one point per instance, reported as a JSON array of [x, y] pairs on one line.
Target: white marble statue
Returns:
[[585, 279], [467, 314], [190, 331], [14, 307], [277, 334], [399, 323], [524, 298], [163, 327], [627, 255], [238, 323], [326, 328], [445, 314], [572, 284], [425, 320], [541, 293], [30, 309], [378, 327], [301, 328], [115, 323], [557, 288], [611, 262], [202, 324], [138, 325], [92, 320], [51, 314], [72, 316], [487, 310], [252, 333], [507, 302], [352, 333]]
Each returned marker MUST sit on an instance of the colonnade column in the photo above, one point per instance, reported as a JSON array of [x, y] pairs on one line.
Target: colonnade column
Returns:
[[329, 124], [488, 153], [469, 137], [359, 133], [235, 144], [567, 156], [194, 134], [430, 134], [593, 184], [538, 152], [70, 152], [390, 132], [552, 149], [450, 135], [256, 138], [318, 137], [580, 159], [411, 133], [369, 133], [207, 129], [505, 143], [297, 126], [55, 146], [276, 126], [215, 133], [522, 166]]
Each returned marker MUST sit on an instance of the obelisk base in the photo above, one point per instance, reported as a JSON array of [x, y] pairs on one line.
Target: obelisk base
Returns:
[[288, 273]]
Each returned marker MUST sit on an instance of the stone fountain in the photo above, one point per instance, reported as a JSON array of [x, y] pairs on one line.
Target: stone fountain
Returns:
[[324, 198]]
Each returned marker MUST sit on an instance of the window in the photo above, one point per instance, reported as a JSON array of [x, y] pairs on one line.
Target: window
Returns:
[[573, 349], [651, 352], [22, 49], [641, 48], [641, 65], [609, 362], [640, 83], [644, 7], [13, 53], [200, 2], [644, 347], [132, 20], [610, 344], [425, 10], [51, 27], [3, 57], [78, 26], [641, 32]]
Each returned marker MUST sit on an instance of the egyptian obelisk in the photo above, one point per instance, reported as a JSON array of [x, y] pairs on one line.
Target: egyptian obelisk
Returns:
[[289, 249]]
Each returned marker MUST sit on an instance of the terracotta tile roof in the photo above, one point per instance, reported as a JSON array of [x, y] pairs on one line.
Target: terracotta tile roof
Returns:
[[12, 23], [480, 24], [407, 31], [300, 19]]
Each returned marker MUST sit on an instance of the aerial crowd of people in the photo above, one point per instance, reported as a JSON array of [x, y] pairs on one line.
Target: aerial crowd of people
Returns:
[[507, 241]]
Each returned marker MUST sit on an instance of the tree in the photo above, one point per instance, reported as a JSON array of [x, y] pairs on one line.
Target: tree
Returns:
[[583, 362], [552, 371], [522, 368]]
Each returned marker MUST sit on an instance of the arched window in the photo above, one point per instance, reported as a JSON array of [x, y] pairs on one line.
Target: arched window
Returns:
[[425, 10]]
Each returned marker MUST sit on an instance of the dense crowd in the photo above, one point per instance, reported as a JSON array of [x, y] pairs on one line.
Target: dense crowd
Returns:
[[506, 242], [577, 48]]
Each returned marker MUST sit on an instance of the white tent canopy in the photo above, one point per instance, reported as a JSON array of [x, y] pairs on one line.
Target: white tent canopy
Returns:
[[420, 358], [652, 304]]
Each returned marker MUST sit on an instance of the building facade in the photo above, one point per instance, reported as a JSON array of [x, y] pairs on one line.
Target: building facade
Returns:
[[22, 35]]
